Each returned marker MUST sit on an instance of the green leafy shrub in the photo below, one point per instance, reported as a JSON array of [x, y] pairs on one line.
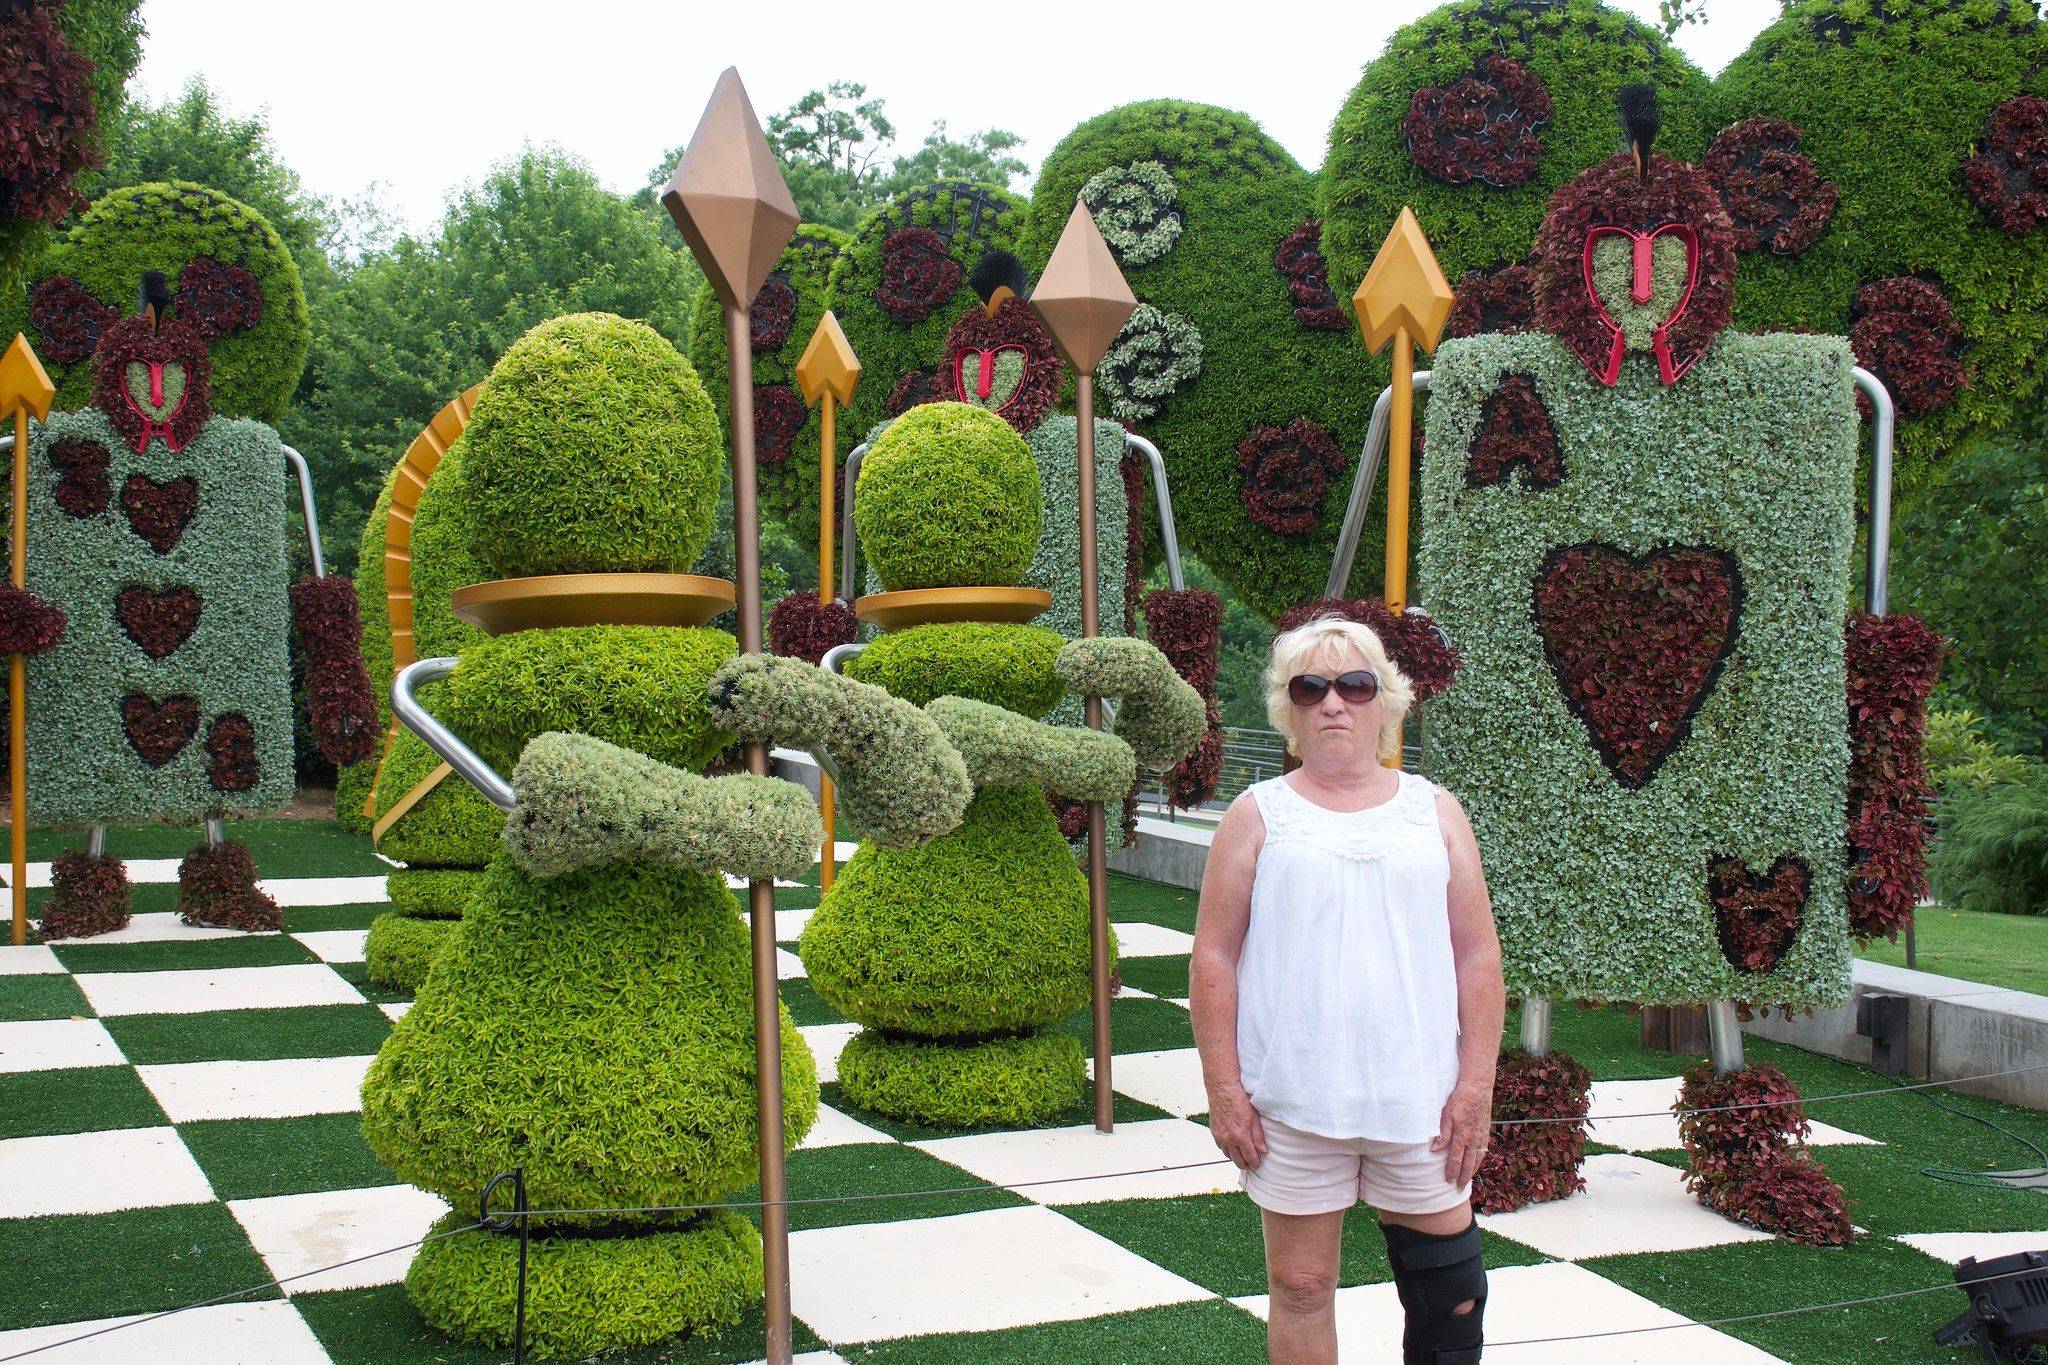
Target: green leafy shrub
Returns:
[[1959, 755], [1056, 566], [1993, 851], [1241, 332], [452, 825], [432, 892], [1006, 666], [954, 466], [593, 449], [165, 227], [1891, 102], [1003, 1081], [401, 948]]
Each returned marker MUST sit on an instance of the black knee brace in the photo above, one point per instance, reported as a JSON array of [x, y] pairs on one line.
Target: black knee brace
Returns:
[[1433, 1274]]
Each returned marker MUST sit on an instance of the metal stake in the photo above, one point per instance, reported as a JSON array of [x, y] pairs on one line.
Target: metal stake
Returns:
[[1098, 850]]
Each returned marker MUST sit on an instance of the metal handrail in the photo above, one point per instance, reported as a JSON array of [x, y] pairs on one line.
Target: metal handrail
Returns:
[[852, 473], [1360, 502], [464, 760], [1169, 538], [1877, 572]]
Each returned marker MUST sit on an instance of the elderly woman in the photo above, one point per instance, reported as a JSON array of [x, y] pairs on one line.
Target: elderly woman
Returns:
[[1347, 1003]]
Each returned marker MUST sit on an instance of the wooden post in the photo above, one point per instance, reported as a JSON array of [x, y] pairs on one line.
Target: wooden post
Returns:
[[25, 390]]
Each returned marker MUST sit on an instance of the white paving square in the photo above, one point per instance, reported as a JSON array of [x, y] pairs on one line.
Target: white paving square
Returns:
[[971, 1272], [31, 959], [304, 891], [225, 988], [1953, 1246], [827, 1041], [395, 1010], [140, 870], [162, 926], [834, 1129], [813, 1358], [1062, 1153], [1659, 1132], [1170, 1080], [788, 966], [57, 1045], [1630, 1204], [271, 1332], [335, 945], [1139, 939], [790, 923], [193, 1091], [123, 1168], [1532, 1301], [295, 1233]]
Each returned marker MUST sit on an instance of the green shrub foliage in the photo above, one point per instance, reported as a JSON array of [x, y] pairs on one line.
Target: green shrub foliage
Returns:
[[1056, 567], [1003, 1081], [1893, 102], [452, 825], [1706, 528], [956, 466], [353, 783], [166, 227], [1993, 850], [400, 948], [1235, 338], [432, 892], [1007, 666], [593, 449]]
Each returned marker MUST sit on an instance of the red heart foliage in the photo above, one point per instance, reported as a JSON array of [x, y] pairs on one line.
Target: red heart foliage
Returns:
[[1757, 917], [159, 730], [159, 512], [158, 620]]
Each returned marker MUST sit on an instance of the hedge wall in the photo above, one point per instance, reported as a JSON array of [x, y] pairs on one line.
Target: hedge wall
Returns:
[[1916, 112], [1056, 567], [170, 694], [219, 256], [1653, 666], [1240, 365], [353, 783], [783, 316]]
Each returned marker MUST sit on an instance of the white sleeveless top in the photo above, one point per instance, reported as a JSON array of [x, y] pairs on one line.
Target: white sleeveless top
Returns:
[[1347, 990]]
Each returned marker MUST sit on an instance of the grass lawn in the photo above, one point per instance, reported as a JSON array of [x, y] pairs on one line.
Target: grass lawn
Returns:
[[1999, 950]]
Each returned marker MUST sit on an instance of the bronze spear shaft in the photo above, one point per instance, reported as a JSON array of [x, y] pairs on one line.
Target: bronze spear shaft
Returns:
[[1098, 842]]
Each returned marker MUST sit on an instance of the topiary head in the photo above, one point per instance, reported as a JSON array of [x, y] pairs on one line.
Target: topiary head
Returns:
[[949, 497], [593, 449]]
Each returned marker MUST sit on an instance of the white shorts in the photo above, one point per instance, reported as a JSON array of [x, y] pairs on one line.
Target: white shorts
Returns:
[[1309, 1173]]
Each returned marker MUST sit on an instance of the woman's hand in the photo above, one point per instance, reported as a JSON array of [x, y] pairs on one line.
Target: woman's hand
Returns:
[[1235, 1126], [1463, 1131]]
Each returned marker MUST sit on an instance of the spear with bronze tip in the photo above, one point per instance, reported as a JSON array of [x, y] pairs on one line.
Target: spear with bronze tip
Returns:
[[1084, 302], [25, 391], [827, 373], [729, 200]]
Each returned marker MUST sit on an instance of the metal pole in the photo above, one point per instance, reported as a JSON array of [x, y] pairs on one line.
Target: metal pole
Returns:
[[306, 506], [1536, 1025], [846, 585], [746, 543], [828, 442], [1361, 488], [406, 708], [1877, 555], [1098, 852], [1724, 1036], [17, 678], [1169, 538]]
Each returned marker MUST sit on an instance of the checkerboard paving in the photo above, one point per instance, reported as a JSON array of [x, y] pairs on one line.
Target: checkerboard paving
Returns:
[[178, 1118]]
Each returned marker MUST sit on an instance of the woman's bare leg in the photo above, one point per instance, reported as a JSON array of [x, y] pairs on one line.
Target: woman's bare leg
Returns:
[[1301, 1276]]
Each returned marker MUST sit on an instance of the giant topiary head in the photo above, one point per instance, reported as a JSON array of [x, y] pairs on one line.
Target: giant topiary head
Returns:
[[593, 449], [949, 497]]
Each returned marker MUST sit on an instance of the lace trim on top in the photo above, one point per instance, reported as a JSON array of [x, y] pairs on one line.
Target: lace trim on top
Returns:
[[1393, 826]]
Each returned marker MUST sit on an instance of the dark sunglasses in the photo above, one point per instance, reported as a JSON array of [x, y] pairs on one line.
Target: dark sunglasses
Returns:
[[1308, 689]]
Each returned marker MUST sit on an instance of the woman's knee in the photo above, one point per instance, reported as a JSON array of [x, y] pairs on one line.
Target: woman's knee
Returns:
[[1302, 1286]]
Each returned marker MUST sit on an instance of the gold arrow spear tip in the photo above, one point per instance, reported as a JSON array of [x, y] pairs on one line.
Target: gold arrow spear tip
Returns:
[[1405, 290], [23, 381], [829, 364], [728, 197], [1082, 297]]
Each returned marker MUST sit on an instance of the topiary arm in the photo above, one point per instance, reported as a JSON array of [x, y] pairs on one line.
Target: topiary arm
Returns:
[[583, 802], [898, 778], [1003, 748], [1157, 713]]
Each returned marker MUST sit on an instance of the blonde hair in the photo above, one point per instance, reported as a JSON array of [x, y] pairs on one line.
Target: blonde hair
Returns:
[[1331, 637]]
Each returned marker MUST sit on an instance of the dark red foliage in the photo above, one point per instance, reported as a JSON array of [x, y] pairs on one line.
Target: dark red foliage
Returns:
[[2008, 177], [83, 489], [231, 764], [340, 706], [1186, 624], [1774, 196], [217, 886], [779, 414], [28, 624], [1905, 332], [1134, 467], [1788, 1195], [218, 299], [802, 627], [1745, 1164], [1283, 473], [1299, 259], [1893, 664], [1014, 327], [1502, 299], [917, 274], [173, 346], [1514, 429], [1613, 195], [1637, 642], [1192, 781], [159, 512], [924, 385], [1070, 815], [1532, 1163], [158, 620], [88, 896], [68, 319], [770, 315], [1412, 640], [1480, 127], [1757, 917], [158, 731], [46, 116]]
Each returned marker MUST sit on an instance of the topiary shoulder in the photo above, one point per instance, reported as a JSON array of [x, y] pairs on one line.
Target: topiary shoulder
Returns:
[[1007, 666]]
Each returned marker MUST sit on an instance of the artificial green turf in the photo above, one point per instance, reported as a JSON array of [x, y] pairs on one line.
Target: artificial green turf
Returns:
[[256, 1158], [1217, 1241], [294, 848], [47, 995], [878, 1168], [1133, 898], [805, 1006], [75, 1267], [1135, 1025], [251, 1035], [357, 974], [207, 954], [304, 919], [1999, 950], [77, 1100], [1165, 977], [1124, 1110], [1185, 1333], [1889, 1194]]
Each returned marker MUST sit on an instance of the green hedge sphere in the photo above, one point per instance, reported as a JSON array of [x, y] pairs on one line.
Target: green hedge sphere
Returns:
[[949, 497], [593, 449], [1006, 666]]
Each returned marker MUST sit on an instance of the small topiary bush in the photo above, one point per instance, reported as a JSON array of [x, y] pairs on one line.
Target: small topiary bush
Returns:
[[1006, 666], [955, 465], [1004, 1081], [1533, 1163], [593, 448], [400, 949], [432, 892]]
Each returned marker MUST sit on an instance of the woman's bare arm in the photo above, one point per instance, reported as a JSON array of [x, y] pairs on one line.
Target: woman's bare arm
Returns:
[[1220, 926], [1482, 997]]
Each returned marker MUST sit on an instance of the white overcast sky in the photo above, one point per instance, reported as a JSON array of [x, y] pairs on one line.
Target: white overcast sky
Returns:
[[423, 95]]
